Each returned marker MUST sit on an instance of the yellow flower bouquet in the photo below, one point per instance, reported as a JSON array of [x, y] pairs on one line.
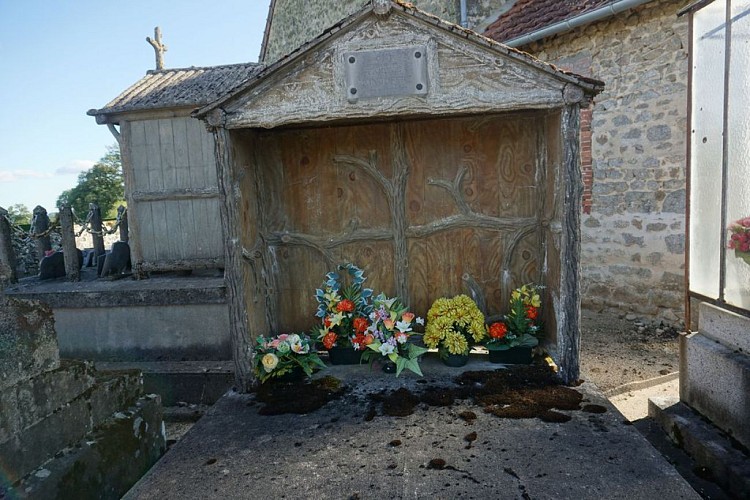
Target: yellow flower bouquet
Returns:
[[454, 325]]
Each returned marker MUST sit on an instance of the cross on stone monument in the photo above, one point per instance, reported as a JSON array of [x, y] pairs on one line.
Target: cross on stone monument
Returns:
[[159, 48]]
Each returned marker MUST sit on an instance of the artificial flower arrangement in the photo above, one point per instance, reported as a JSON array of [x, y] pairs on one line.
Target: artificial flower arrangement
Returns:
[[343, 311], [520, 326], [280, 355], [739, 240], [454, 325], [388, 335]]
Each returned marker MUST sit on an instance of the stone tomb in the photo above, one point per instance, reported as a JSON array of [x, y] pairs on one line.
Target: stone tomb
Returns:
[[457, 172]]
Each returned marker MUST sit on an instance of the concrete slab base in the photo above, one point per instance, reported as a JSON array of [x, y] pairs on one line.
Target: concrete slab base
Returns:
[[334, 452], [706, 444]]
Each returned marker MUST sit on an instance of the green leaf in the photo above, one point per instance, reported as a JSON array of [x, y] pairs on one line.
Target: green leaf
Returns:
[[528, 341], [415, 350], [413, 365], [394, 357]]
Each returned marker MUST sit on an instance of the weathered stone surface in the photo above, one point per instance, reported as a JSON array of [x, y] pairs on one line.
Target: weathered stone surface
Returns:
[[44, 431], [28, 344], [639, 128], [107, 461], [715, 380], [27, 402], [297, 21]]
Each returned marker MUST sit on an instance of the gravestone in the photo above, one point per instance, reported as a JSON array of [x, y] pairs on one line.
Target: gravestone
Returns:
[[53, 266]]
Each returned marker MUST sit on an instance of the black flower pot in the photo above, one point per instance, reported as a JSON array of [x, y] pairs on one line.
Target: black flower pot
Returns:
[[389, 366], [512, 356], [455, 360], [295, 375], [344, 356]]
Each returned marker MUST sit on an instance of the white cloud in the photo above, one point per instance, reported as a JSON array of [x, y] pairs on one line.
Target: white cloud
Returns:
[[74, 167], [17, 175]]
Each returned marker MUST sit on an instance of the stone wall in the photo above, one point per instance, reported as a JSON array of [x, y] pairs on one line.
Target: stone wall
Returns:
[[297, 21], [634, 238]]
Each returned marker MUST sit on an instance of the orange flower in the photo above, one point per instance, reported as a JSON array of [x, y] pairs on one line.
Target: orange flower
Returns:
[[327, 322], [345, 305], [369, 339], [498, 330], [329, 340], [532, 312], [388, 323], [360, 324], [358, 342]]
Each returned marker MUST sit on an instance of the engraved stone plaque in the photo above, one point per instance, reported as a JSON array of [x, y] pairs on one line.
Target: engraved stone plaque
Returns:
[[386, 72]]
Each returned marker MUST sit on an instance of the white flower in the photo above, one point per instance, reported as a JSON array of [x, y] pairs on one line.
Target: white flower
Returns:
[[420, 321], [269, 362], [401, 337], [293, 338], [300, 349], [403, 326], [386, 349]]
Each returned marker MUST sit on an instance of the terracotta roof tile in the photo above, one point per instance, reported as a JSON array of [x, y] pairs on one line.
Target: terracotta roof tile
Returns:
[[527, 16], [170, 88]]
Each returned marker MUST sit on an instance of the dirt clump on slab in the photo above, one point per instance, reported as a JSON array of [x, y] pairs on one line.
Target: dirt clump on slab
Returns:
[[519, 392], [298, 397]]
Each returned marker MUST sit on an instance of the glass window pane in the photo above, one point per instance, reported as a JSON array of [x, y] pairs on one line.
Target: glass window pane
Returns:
[[737, 289], [706, 151]]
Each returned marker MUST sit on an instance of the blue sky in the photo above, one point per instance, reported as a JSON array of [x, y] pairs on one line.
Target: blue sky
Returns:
[[60, 58]]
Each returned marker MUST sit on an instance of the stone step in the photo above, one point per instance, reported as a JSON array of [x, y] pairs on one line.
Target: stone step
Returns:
[[193, 382], [33, 444], [705, 443], [106, 462]]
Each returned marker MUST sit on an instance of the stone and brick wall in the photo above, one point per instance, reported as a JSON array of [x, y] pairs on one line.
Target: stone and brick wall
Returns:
[[634, 235]]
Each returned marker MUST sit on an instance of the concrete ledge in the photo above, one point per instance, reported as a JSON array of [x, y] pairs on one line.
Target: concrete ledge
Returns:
[[158, 291], [706, 444], [106, 462], [641, 384], [145, 333], [715, 380], [727, 327], [197, 382]]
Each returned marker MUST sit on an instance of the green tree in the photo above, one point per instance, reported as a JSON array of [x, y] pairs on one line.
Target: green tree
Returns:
[[101, 184], [19, 213]]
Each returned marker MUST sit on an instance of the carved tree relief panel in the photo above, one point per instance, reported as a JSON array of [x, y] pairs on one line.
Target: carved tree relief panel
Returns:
[[428, 208]]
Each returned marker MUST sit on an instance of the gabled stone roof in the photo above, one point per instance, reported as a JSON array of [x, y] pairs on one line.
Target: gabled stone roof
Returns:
[[528, 16], [589, 84], [182, 87]]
